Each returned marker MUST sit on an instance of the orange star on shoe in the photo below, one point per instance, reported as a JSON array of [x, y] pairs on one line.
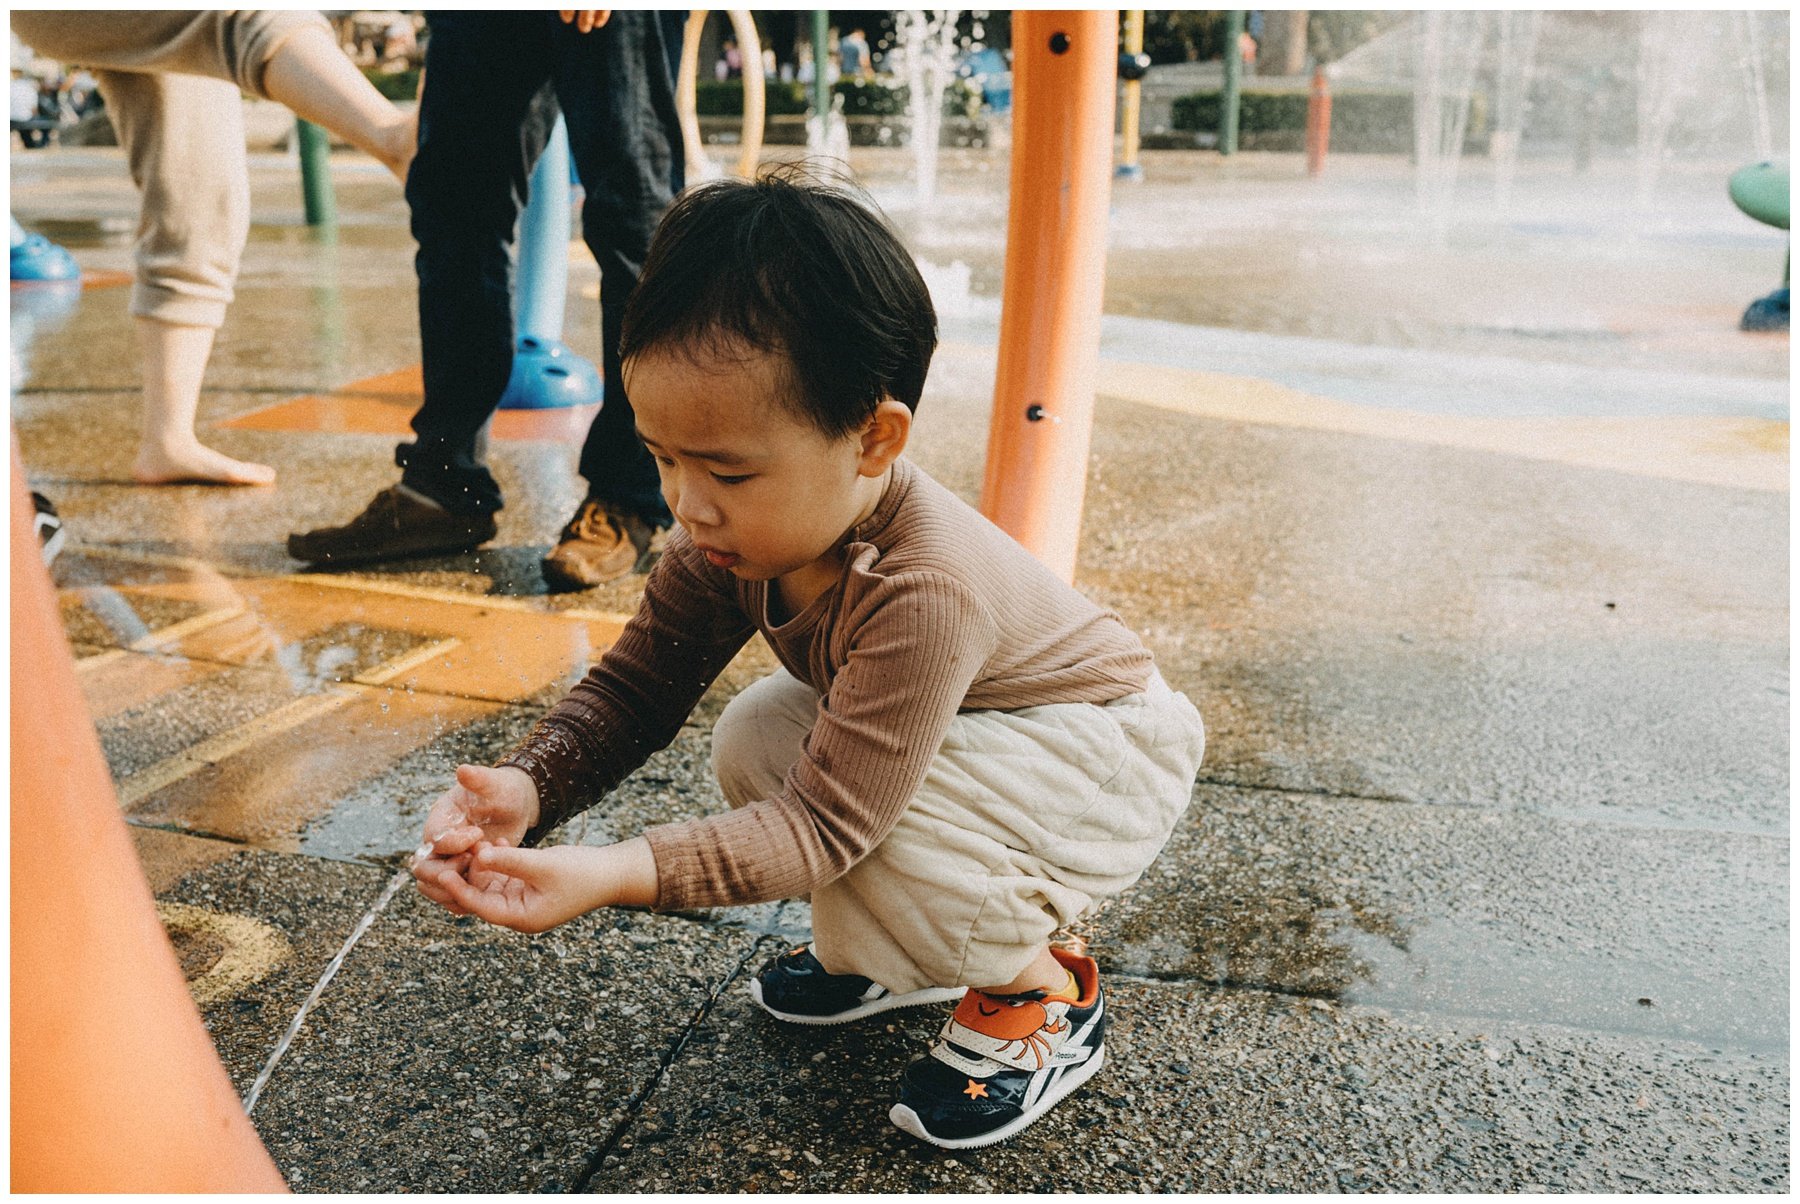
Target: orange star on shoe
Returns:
[[975, 1090]]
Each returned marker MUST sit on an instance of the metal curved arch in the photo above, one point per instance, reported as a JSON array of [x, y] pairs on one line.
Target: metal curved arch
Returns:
[[699, 167]]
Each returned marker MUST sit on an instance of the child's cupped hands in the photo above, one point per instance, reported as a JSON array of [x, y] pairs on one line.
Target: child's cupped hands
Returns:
[[527, 890], [495, 806]]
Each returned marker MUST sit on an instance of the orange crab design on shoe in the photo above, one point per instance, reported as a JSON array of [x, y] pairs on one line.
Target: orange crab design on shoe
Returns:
[[1025, 1023], [1001, 1062]]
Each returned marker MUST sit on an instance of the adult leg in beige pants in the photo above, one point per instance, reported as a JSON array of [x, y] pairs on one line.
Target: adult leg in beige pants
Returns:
[[171, 82], [1024, 819]]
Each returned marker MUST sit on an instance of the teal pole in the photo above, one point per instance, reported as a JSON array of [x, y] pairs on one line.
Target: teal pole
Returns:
[[315, 174], [1234, 73], [821, 57]]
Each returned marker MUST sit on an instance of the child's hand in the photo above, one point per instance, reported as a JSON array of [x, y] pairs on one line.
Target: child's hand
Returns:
[[496, 806], [528, 890]]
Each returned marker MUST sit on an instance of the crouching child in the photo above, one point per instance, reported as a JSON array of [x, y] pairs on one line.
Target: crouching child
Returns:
[[960, 753]]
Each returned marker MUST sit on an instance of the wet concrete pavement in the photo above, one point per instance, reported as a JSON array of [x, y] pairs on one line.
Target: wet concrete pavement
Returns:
[[1485, 882]]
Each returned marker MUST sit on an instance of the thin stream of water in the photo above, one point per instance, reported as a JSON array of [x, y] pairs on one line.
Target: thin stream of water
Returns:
[[356, 934]]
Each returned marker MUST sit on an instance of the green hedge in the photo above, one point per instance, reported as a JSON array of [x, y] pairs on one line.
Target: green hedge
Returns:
[[713, 98], [395, 85], [862, 98], [1370, 122]]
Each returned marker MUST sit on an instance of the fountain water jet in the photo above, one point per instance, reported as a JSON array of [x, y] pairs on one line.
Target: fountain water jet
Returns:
[[925, 47], [1754, 85], [1518, 37], [1447, 50], [1665, 76], [828, 134]]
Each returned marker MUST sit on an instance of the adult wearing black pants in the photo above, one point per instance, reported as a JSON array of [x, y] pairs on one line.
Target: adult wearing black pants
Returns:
[[483, 119]]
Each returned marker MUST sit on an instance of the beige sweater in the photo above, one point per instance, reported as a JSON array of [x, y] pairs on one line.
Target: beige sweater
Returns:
[[937, 611]]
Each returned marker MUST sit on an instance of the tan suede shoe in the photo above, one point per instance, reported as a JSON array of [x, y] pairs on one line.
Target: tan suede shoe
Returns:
[[599, 545]]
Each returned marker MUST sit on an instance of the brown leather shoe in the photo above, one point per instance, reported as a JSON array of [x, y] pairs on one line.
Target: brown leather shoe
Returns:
[[393, 526], [600, 544]]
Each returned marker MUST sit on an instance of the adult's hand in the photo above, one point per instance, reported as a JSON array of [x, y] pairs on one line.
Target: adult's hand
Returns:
[[587, 20]]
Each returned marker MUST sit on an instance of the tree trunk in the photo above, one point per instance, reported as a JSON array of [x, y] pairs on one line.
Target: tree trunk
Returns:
[[1283, 49]]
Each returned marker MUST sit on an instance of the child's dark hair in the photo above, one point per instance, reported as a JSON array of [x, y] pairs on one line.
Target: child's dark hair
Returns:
[[789, 264]]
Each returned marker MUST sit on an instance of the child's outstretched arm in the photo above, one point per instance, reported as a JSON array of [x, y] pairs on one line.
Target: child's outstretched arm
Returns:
[[530, 890]]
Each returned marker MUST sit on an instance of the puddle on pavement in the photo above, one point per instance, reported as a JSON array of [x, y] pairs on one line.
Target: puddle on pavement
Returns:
[[250, 707], [1360, 954], [1447, 966]]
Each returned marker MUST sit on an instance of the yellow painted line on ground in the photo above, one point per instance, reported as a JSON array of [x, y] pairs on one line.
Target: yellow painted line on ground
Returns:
[[424, 593], [251, 948], [100, 658], [387, 671], [158, 559], [1743, 453], [211, 751], [174, 632], [156, 640]]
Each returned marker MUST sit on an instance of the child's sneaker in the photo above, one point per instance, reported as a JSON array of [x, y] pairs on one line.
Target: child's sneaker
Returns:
[[1002, 1061], [796, 988]]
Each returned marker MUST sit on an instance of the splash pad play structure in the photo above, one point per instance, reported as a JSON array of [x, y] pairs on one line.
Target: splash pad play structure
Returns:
[[1761, 190], [545, 373], [1160, 238]]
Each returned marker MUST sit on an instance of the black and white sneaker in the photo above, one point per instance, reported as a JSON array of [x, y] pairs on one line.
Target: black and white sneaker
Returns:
[[1002, 1061], [795, 987], [49, 526]]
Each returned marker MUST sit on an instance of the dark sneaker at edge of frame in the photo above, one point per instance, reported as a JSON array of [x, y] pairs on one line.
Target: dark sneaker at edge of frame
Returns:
[[1002, 1061], [395, 526], [796, 988], [601, 543], [48, 525]]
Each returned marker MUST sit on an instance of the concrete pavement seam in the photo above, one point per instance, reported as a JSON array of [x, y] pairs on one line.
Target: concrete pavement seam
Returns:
[[1635, 820], [639, 1099]]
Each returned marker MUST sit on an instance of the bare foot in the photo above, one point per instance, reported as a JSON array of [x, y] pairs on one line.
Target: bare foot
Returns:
[[196, 465]]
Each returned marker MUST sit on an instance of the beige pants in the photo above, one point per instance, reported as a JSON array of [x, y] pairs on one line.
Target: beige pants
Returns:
[[1024, 820], [173, 83]]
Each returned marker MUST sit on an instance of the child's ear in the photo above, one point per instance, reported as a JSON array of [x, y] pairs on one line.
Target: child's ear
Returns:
[[884, 438]]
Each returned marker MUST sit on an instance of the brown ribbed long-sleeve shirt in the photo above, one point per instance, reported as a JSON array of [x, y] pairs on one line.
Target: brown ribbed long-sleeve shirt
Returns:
[[937, 611]]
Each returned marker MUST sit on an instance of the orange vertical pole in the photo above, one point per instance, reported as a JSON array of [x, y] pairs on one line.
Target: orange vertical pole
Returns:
[[1318, 124], [115, 1085], [1064, 75]]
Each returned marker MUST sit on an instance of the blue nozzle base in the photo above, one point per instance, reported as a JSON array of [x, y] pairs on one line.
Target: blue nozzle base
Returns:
[[1767, 313], [546, 375], [37, 258]]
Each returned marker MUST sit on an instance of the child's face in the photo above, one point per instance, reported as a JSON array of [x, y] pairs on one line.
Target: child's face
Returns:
[[762, 492]]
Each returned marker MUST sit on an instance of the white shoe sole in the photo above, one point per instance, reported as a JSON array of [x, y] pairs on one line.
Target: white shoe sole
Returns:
[[886, 1003], [53, 545], [908, 1120]]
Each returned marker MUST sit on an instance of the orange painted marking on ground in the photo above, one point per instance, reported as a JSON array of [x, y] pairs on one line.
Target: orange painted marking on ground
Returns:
[[420, 666], [99, 278], [385, 404], [267, 793], [104, 278]]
